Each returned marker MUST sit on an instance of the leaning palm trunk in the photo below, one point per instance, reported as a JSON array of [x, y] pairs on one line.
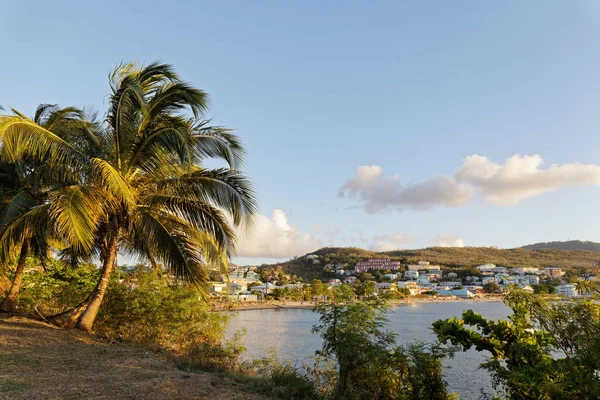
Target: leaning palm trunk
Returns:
[[86, 321], [9, 304], [69, 318]]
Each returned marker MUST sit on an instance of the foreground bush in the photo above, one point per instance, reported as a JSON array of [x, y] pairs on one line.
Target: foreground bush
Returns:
[[145, 308], [547, 349]]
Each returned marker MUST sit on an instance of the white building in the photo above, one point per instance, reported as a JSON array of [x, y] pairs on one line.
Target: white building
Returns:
[[391, 277], [423, 266], [423, 279], [411, 285], [568, 290], [264, 288], [526, 280], [525, 270], [486, 267], [334, 282], [351, 280], [449, 285], [384, 286], [489, 279], [411, 275]]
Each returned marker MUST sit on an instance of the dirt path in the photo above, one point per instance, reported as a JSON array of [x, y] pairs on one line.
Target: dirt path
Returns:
[[41, 362]]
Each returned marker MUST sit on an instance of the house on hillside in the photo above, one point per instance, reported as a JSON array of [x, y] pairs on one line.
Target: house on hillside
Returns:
[[351, 280], [385, 286]]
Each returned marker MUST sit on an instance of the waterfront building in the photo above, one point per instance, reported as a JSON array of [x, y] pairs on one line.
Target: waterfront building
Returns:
[[385, 286], [423, 279], [462, 293], [410, 285]]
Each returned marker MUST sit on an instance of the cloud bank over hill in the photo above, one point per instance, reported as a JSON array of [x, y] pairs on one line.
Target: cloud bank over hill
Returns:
[[391, 242], [448, 240], [519, 178], [275, 237]]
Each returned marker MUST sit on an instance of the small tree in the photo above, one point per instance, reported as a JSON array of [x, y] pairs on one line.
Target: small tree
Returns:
[[369, 365], [492, 287]]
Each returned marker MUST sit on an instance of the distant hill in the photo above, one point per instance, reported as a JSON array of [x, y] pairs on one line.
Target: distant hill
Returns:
[[568, 245], [448, 257]]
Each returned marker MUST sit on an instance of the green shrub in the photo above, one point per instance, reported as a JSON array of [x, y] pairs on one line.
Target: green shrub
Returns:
[[56, 289], [145, 308]]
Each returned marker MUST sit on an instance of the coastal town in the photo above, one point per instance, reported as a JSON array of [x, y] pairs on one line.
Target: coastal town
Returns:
[[376, 276]]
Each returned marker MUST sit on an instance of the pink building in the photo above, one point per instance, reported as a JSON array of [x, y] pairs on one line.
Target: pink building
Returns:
[[377, 263]]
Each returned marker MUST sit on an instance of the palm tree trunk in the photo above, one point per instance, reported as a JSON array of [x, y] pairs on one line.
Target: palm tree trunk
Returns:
[[86, 321], [9, 304]]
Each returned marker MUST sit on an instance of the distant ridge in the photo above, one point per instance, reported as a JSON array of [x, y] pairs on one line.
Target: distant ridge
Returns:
[[567, 245]]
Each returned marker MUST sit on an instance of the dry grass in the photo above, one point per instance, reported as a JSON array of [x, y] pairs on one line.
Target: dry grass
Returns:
[[40, 362]]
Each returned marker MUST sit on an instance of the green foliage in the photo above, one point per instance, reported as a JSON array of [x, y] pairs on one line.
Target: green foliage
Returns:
[[546, 350], [271, 377], [144, 308], [360, 360], [56, 289], [492, 287], [543, 288]]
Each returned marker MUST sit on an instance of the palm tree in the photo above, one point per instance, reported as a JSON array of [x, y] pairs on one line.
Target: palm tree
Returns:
[[26, 188], [159, 202], [584, 286]]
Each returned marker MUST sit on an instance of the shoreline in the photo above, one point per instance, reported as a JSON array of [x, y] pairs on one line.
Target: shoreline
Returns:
[[295, 305]]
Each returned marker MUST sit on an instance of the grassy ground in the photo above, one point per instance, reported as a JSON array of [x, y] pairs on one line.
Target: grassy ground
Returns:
[[40, 362]]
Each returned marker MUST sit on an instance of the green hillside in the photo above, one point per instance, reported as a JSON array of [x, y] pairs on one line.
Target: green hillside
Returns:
[[451, 257], [568, 245]]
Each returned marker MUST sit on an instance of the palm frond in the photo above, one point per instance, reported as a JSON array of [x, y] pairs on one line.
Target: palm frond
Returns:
[[77, 211], [22, 137], [21, 228], [217, 142], [19, 204], [112, 181], [169, 241], [221, 187]]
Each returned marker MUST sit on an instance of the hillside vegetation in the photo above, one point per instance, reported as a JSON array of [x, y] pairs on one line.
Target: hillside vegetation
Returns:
[[568, 245], [452, 257]]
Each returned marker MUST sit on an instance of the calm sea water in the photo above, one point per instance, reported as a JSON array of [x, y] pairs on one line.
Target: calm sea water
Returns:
[[289, 333]]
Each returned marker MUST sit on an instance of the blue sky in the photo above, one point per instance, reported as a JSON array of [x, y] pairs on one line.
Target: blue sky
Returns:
[[317, 89]]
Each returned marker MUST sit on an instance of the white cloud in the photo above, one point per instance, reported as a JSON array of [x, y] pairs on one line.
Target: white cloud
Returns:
[[448, 240], [274, 237], [390, 242], [381, 193], [521, 177]]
